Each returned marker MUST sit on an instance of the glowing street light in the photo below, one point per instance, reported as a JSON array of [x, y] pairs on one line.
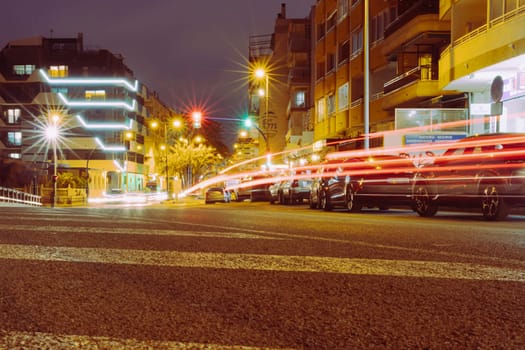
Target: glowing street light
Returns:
[[260, 73]]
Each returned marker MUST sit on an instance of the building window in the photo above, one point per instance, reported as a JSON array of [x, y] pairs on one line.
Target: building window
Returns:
[[321, 109], [95, 94], [320, 31], [320, 70], [23, 69], [331, 21], [342, 9], [342, 97], [59, 90], [13, 115], [300, 99], [330, 62], [357, 41], [344, 51], [58, 71], [331, 104], [14, 138]]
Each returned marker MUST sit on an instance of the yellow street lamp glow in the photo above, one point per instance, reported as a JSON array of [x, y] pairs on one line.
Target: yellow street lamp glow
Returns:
[[177, 123], [260, 73], [129, 135], [154, 124], [261, 92], [163, 147], [243, 133]]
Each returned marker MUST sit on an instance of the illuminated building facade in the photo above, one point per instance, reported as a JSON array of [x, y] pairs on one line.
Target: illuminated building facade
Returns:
[[486, 60], [406, 39], [99, 102]]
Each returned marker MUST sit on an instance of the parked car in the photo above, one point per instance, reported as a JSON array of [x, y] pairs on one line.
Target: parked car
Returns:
[[259, 191], [275, 192], [368, 181], [216, 194], [485, 172], [294, 191]]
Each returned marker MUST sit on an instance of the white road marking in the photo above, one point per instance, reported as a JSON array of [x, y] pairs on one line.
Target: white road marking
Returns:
[[379, 267], [132, 231], [38, 340]]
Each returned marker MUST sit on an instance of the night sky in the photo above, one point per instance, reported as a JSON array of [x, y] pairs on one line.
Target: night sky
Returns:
[[192, 52]]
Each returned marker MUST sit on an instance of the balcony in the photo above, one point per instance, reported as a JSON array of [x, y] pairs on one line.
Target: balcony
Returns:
[[411, 88], [418, 8]]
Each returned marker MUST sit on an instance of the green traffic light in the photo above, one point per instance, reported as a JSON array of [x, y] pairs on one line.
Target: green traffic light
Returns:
[[248, 122]]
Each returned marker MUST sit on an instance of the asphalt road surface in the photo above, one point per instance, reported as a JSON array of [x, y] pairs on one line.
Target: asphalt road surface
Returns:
[[258, 276]]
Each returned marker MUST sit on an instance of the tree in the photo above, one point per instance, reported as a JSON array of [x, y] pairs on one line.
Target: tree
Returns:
[[189, 161]]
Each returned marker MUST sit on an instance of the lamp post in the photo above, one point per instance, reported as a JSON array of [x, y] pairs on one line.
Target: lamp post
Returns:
[[177, 124], [259, 74], [52, 133], [128, 136]]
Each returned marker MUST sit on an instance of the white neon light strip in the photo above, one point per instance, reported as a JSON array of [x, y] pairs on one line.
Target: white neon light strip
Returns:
[[104, 125], [90, 81], [109, 148], [117, 104]]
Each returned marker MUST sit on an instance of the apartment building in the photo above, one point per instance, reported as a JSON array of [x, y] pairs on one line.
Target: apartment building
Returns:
[[405, 39], [90, 95], [282, 112]]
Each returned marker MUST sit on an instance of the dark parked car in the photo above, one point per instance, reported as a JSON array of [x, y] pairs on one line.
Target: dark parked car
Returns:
[[257, 189], [485, 172], [369, 181]]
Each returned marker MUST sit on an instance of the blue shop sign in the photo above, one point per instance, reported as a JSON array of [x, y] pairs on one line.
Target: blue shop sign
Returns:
[[412, 139]]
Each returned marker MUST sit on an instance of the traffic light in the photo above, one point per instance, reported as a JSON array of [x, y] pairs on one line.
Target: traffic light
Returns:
[[248, 122], [196, 116]]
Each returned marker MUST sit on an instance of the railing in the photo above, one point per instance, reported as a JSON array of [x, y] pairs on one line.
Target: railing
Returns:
[[415, 74], [506, 17], [10, 195]]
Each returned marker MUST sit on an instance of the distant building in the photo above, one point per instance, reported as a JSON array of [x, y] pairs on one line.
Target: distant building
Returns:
[[100, 107], [285, 56]]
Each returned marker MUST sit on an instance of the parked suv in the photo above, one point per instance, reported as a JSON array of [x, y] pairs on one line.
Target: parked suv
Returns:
[[485, 172], [367, 181]]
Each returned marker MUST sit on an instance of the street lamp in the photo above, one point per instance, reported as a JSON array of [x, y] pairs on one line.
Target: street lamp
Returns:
[[260, 73], [52, 134], [176, 124], [128, 136]]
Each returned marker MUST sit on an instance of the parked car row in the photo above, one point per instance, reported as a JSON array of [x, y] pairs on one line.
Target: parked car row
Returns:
[[486, 172]]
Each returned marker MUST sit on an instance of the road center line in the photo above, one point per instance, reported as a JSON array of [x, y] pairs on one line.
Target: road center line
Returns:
[[379, 267]]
